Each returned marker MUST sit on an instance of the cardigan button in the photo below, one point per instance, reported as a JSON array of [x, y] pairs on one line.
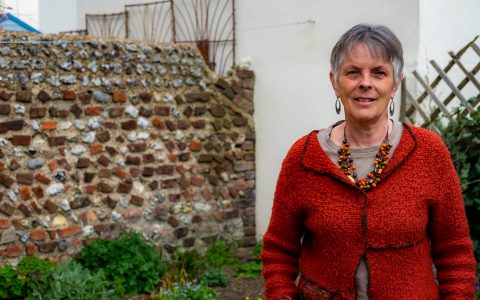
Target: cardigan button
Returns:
[[351, 290]]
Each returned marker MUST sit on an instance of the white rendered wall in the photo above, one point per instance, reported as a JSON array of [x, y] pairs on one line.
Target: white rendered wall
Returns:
[[447, 26], [292, 91], [57, 15]]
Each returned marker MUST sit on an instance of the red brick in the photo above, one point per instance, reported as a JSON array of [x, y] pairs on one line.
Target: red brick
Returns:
[[69, 95], [5, 109], [23, 96], [104, 173], [52, 233], [172, 157], [38, 112], [119, 97], [103, 136], [162, 110], [21, 140], [49, 125], [36, 207], [132, 213], [129, 125], [25, 192], [197, 181], [4, 224], [195, 146], [146, 97], [119, 172], [30, 249], [48, 247], [93, 110], [11, 125], [69, 231], [25, 178], [207, 193], [54, 141], [38, 235], [17, 224], [199, 124], [13, 251], [76, 243], [42, 178], [104, 187], [96, 148], [90, 188], [114, 112], [158, 123], [52, 164], [38, 191]]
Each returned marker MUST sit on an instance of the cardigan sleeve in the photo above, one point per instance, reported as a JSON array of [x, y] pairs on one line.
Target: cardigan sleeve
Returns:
[[281, 242], [452, 250]]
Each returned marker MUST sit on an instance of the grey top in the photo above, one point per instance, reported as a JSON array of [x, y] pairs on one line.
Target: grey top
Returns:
[[362, 158]]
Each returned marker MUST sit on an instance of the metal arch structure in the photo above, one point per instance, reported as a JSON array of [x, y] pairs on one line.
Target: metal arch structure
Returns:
[[210, 24], [106, 25]]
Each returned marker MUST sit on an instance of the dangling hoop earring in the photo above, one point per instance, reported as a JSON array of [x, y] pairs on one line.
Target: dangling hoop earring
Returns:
[[338, 106], [391, 108]]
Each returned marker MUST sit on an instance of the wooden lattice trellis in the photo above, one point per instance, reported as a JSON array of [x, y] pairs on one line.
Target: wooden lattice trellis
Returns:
[[210, 24], [442, 110]]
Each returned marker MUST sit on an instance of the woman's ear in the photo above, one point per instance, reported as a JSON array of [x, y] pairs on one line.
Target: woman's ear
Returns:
[[334, 84], [396, 86]]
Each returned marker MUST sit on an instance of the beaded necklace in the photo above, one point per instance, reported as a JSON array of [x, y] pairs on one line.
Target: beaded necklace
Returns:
[[345, 162]]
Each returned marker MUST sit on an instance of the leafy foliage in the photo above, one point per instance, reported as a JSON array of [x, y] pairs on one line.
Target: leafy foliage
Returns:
[[463, 142], [251, 269], [220, 254], [129, 263], [182, 268], [10, 285], [214, 277], [34, 272], [70, 280], [187, 291]]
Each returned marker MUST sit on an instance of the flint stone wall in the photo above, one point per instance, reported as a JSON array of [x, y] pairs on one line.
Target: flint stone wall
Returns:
[[99, 136]]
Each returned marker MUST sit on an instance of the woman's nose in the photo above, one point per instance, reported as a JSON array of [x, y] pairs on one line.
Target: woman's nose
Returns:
[[365, 82]]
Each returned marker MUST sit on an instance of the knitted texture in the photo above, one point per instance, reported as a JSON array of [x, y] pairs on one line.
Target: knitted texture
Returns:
[[322, 225]]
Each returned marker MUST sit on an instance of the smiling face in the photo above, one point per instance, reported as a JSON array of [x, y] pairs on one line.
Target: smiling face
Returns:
[[365, 86]]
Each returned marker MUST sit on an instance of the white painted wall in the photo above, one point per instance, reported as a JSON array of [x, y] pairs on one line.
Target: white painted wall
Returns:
[[57, 15], [447, 26]]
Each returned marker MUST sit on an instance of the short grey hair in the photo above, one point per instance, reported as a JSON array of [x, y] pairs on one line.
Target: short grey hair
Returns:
[[379, 40]]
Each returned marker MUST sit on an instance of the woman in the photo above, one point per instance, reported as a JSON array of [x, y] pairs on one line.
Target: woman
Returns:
[[364, 208]]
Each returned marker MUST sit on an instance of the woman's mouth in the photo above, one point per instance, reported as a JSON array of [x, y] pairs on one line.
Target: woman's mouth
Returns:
[[359, 99]]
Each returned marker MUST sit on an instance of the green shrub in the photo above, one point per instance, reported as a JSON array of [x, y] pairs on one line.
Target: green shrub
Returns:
[[182, 268], [251, 269], [463, 142], [70, 280], [34, 272], [10, 285], [220, 254], [129, 263], [214, 277], [187, 292]]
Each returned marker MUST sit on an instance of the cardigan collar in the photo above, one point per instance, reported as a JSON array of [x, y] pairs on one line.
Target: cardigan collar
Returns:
[[316, 160]]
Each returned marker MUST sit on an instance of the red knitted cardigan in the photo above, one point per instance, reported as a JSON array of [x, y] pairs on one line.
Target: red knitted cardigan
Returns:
[[322, 225]]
